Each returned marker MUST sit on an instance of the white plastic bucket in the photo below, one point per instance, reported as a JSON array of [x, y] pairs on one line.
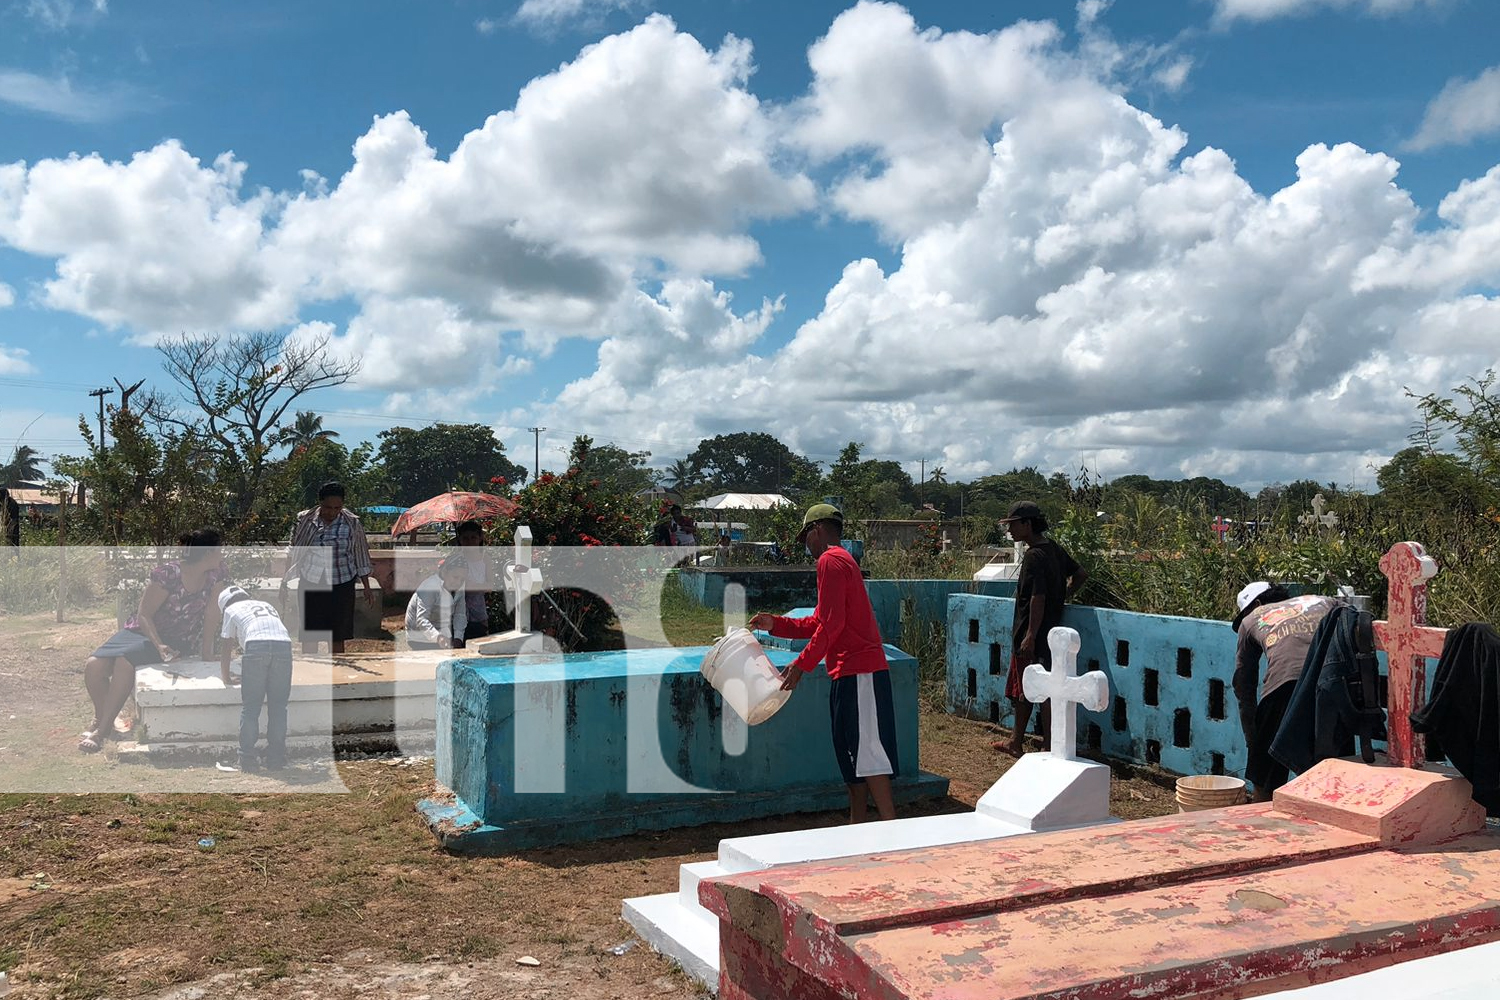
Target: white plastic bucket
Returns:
[[744, 677], [1209, 791]]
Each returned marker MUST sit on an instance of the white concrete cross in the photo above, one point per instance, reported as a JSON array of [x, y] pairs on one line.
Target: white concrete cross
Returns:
[[1064, 690], [1318, 519], [523, 580]]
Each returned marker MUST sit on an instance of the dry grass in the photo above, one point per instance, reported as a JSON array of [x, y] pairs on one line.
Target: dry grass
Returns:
[[339, 895]]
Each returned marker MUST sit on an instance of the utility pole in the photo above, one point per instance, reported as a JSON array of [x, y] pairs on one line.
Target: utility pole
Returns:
[[536, 468], [101, 393], [924, 471]]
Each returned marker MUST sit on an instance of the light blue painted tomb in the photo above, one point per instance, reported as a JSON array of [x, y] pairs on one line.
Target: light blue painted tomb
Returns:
[[567, 748]]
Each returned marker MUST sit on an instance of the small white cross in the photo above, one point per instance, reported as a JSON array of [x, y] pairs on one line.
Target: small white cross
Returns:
[[1064, 690], [523, 580]]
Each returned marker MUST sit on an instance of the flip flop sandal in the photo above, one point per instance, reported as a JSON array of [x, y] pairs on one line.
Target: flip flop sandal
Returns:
[[89, 743]]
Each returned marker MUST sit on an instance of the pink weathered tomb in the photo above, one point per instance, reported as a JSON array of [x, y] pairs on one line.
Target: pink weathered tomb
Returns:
[[1350, 869]]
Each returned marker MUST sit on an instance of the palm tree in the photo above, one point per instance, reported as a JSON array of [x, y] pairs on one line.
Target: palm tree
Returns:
[[681, 475], [306, 431], [23, 467], [937, 476]]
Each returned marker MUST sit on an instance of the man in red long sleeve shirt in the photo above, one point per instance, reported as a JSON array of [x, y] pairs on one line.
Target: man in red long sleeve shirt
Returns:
[[842, 633]]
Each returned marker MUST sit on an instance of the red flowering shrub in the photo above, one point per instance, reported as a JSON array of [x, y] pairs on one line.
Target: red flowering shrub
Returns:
[[567, 512]]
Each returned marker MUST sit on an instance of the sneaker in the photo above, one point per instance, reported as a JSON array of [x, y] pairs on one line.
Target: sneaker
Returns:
[[249, 765]]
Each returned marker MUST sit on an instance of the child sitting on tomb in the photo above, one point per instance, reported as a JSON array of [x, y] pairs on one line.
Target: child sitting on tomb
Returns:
[[842, 633], [436, 617], [265, 672]]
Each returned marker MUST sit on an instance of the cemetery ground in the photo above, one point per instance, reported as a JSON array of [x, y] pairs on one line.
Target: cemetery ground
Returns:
[[335, 895]]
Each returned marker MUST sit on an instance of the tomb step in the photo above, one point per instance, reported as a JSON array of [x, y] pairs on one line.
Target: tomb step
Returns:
[[687, 935], [772, 850], [688, 877]]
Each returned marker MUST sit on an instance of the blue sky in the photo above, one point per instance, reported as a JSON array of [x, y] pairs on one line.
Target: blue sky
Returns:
[[1168, 237]]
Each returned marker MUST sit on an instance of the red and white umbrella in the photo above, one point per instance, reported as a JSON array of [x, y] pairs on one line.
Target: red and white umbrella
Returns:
[[454, 506]]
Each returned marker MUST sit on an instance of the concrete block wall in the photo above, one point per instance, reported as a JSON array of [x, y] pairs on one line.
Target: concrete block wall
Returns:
[[1171, 699]]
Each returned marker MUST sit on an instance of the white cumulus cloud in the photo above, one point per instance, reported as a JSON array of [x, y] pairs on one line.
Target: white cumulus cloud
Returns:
[[7, 296], [1465, 110], [1098, 294], [161, 243], [646, 152]]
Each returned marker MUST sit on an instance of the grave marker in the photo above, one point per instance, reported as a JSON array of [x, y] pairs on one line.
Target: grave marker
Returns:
[[1065, 690]]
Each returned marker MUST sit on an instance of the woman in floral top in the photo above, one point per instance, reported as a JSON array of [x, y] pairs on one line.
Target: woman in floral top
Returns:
[[178, 613]]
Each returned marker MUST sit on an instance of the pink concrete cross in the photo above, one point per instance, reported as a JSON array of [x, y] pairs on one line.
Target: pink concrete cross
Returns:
[[1408, 642]]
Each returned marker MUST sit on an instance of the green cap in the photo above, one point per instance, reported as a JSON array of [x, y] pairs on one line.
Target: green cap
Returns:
[[819, 512]]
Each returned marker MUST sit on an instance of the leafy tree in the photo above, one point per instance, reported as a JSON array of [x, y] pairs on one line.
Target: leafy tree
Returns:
[[421, 463], [753, 462], [24, 467], [1435, 480], [572, 514], [1473, 417], [608, 463], [242, 387], [329, 461], [147, 487]]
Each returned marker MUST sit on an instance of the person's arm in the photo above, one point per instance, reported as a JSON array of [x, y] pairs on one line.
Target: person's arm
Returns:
[[1037, 610], [226, 650], [224, 657], [211, 621], [1246, 678], [786, 628], [833, 591], [1077, 577], [359, 551], [152, 599], [460, 616]]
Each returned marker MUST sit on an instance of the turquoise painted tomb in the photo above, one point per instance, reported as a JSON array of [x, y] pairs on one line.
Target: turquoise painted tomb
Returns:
[[554, 749]]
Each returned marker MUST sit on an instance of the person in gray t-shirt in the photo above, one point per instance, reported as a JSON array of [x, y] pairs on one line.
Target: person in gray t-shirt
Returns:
[[1272, 622]]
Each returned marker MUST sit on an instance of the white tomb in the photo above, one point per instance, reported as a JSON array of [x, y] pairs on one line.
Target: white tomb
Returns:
[[1003, 570], [1041, 792]]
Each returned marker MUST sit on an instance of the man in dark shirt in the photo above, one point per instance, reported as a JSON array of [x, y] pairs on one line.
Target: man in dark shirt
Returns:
[[1049, 576]]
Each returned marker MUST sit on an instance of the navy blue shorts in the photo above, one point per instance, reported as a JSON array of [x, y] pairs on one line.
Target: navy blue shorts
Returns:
[[863, 715]]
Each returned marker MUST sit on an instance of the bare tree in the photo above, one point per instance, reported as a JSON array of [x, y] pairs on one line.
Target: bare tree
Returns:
[[243, 386]]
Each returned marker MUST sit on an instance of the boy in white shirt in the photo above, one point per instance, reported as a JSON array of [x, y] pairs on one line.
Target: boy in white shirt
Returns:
[[265, 672], [435, 615]]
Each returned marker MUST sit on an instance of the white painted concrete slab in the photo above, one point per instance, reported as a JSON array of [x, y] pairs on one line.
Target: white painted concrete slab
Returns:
[[690, 937], [773, 850], [1047, 792]]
